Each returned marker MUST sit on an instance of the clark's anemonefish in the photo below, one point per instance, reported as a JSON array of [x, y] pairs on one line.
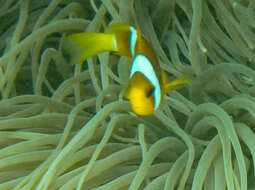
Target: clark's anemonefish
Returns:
[[147, 85]]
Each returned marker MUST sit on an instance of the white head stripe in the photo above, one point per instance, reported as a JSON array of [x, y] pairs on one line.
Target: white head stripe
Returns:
[[133, 39], [143, 65]]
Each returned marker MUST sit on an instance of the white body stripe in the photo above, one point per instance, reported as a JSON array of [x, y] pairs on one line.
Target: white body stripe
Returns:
[[133, 39], [115, 43], [143, 65]]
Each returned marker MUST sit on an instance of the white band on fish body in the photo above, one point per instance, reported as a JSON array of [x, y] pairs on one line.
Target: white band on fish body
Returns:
[[133, 39], [143, 65], [115, 43]]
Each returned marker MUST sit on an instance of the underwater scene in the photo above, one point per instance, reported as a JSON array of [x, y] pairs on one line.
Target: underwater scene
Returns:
[[127, 95]]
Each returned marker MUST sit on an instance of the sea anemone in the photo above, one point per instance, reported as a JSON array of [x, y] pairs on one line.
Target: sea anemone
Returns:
[[66, 126]]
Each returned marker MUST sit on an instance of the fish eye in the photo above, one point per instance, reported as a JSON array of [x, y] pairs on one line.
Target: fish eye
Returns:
[[150, 92]]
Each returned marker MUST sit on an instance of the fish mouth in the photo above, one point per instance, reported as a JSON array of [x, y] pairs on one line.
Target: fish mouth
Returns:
[[142, 111]]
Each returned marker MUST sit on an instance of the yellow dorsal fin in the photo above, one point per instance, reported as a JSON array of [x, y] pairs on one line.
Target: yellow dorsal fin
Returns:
[[116, 27]]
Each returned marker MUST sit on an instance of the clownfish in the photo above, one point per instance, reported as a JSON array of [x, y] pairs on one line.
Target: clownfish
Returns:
[[147, 84]]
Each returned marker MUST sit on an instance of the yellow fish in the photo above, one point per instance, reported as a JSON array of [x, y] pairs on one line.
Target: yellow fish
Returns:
[[147, 85]]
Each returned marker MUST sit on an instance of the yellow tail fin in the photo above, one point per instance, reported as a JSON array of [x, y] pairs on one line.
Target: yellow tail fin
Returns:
[[84, 45]]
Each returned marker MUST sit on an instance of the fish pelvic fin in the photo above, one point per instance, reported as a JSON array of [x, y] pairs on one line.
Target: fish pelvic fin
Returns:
[[85, 45]]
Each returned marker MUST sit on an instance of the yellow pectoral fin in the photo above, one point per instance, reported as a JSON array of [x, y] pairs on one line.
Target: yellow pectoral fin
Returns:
[[127, 93], [178, 82], [84, 45]]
